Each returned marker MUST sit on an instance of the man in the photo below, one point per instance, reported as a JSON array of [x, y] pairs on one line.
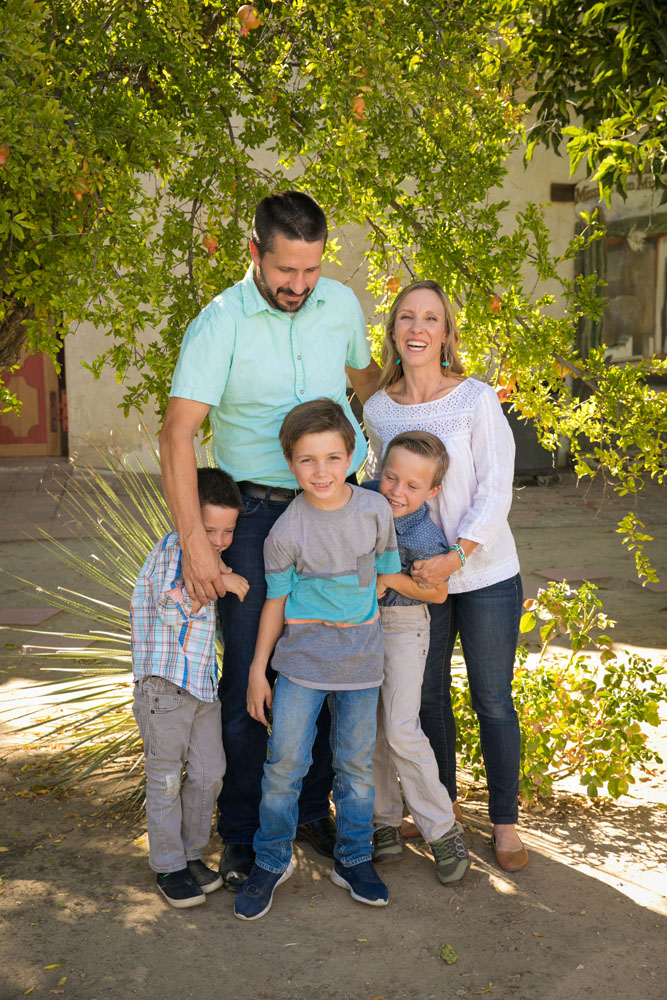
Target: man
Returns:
[[279, 337]]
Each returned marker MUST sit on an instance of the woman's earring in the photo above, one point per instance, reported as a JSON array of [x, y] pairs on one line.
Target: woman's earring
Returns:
[[443, 350], [398, 362]]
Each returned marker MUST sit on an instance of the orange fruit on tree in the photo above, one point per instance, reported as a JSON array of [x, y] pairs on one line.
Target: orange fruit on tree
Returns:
[[393, 283], [359, 106], [209, 243], [248, 17]]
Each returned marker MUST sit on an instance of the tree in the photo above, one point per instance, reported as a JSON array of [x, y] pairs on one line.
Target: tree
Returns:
[[128, 139], [599, 78]]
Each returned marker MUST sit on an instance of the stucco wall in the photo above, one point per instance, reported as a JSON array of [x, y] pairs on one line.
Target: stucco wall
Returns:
[[94, 415]]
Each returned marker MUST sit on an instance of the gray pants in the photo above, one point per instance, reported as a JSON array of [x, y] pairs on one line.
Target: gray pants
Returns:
[[178, 731], [401, 744]]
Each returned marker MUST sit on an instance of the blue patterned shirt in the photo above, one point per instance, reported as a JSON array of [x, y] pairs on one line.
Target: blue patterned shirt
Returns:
[[167, 639], [418, 537]]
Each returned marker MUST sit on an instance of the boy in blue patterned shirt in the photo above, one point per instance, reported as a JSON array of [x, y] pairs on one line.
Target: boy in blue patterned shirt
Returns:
[[176, 700], [413, 467], [321, 558]]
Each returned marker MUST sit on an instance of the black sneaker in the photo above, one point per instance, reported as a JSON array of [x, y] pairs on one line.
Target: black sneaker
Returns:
[[235, 864], [206, 878], [362, 882], [180, 889], [255, 896], [320, 834]]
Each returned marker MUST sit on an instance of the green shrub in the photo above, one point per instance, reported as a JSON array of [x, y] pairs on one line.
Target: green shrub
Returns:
[[580, 714]]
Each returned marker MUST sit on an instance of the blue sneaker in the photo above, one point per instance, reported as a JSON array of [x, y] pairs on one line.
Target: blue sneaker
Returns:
[[255, 896], [363, 882]]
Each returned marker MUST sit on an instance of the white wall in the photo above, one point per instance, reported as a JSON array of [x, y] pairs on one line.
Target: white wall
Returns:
[[95, 419]]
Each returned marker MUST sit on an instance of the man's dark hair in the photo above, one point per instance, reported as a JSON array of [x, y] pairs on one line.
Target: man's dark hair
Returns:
[[218, 489], [315, 417], [292, 214]]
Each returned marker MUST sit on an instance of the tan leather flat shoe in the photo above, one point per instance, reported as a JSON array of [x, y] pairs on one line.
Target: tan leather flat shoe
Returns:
[[511, 861], [409, 828]]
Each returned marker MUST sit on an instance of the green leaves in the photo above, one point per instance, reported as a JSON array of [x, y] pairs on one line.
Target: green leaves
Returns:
[[134, 131], [609, 60], [576, 719]]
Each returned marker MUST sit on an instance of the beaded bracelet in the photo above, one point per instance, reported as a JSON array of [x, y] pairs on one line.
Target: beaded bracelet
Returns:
[[460, 553]]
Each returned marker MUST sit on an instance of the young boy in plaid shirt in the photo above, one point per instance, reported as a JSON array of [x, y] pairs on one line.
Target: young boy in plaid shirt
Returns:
[[176, 700]]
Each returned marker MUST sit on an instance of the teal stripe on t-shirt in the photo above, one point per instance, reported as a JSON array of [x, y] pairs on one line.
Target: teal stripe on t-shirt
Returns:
[[338, 599]]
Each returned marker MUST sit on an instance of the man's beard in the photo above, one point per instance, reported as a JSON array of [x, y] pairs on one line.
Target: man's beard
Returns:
[[271, 298]]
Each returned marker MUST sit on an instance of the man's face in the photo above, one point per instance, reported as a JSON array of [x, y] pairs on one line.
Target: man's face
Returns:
[[287, 274]]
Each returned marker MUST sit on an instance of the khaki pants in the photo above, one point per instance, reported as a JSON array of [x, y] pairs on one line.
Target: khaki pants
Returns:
[[178, 731], [401, 745]]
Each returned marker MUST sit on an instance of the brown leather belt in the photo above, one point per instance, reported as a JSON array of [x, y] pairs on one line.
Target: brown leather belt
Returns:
[[261, 492]]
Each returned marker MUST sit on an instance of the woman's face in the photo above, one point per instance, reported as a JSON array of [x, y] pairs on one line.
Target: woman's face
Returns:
[[419, 331]]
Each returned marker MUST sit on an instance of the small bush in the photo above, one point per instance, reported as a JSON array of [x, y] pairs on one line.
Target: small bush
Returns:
[[584, 714]]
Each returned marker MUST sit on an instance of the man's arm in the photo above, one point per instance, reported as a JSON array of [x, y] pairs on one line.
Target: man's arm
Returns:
[[202, 568], [364, 381]]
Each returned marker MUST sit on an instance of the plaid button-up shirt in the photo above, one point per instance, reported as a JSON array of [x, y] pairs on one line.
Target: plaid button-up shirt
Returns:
[[167, 639]]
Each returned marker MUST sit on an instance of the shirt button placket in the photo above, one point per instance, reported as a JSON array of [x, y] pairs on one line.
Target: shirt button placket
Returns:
[[299, 374]]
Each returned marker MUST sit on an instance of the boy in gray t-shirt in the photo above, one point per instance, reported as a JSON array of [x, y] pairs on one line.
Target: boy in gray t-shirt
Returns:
[[322, 558]]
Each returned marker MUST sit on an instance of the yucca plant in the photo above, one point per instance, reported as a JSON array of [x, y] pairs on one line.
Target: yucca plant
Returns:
[[125, 514]]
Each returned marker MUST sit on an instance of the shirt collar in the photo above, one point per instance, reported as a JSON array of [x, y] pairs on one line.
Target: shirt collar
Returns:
[[254, 302], [410, 521]]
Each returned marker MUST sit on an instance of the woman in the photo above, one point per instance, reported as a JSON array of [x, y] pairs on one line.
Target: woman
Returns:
[[423, 387]]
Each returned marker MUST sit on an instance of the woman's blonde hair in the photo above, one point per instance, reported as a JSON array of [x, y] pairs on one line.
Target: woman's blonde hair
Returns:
[[391, 369]]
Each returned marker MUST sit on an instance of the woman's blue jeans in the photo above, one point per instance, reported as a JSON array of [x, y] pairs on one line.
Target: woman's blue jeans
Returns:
[[487, 621], [244, 738], [353, 722]]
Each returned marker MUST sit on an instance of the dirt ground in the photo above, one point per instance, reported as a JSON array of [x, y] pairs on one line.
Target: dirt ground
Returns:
[[81, 918]]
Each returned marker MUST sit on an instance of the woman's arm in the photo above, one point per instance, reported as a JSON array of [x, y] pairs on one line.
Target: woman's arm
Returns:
[[492, 451], [438, 568]]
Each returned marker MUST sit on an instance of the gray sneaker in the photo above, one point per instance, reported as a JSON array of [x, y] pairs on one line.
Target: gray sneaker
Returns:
[[387, 845], [451, 856]]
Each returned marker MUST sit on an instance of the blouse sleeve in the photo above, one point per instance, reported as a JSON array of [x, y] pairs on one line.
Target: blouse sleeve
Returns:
[[492, 447]]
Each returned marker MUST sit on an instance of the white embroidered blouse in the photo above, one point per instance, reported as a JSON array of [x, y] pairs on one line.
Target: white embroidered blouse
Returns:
[[476, 495]]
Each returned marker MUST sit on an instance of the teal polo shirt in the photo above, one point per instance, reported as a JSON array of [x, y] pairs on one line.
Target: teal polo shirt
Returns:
[[252, 364]]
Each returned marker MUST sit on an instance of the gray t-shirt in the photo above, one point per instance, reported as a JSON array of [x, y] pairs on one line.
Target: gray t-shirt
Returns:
[[326, 562]]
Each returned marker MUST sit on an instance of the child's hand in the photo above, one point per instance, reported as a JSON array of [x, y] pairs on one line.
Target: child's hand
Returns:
[[259, 694], [236, 584], [380, 586], [222, 590]]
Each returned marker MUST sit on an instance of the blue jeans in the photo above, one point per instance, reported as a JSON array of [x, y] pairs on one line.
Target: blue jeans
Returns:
[[353, 720], [243, 738], [487, 621]]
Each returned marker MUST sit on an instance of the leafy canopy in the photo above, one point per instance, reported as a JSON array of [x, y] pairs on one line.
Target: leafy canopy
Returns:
[[129, 133], [600, 80]]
